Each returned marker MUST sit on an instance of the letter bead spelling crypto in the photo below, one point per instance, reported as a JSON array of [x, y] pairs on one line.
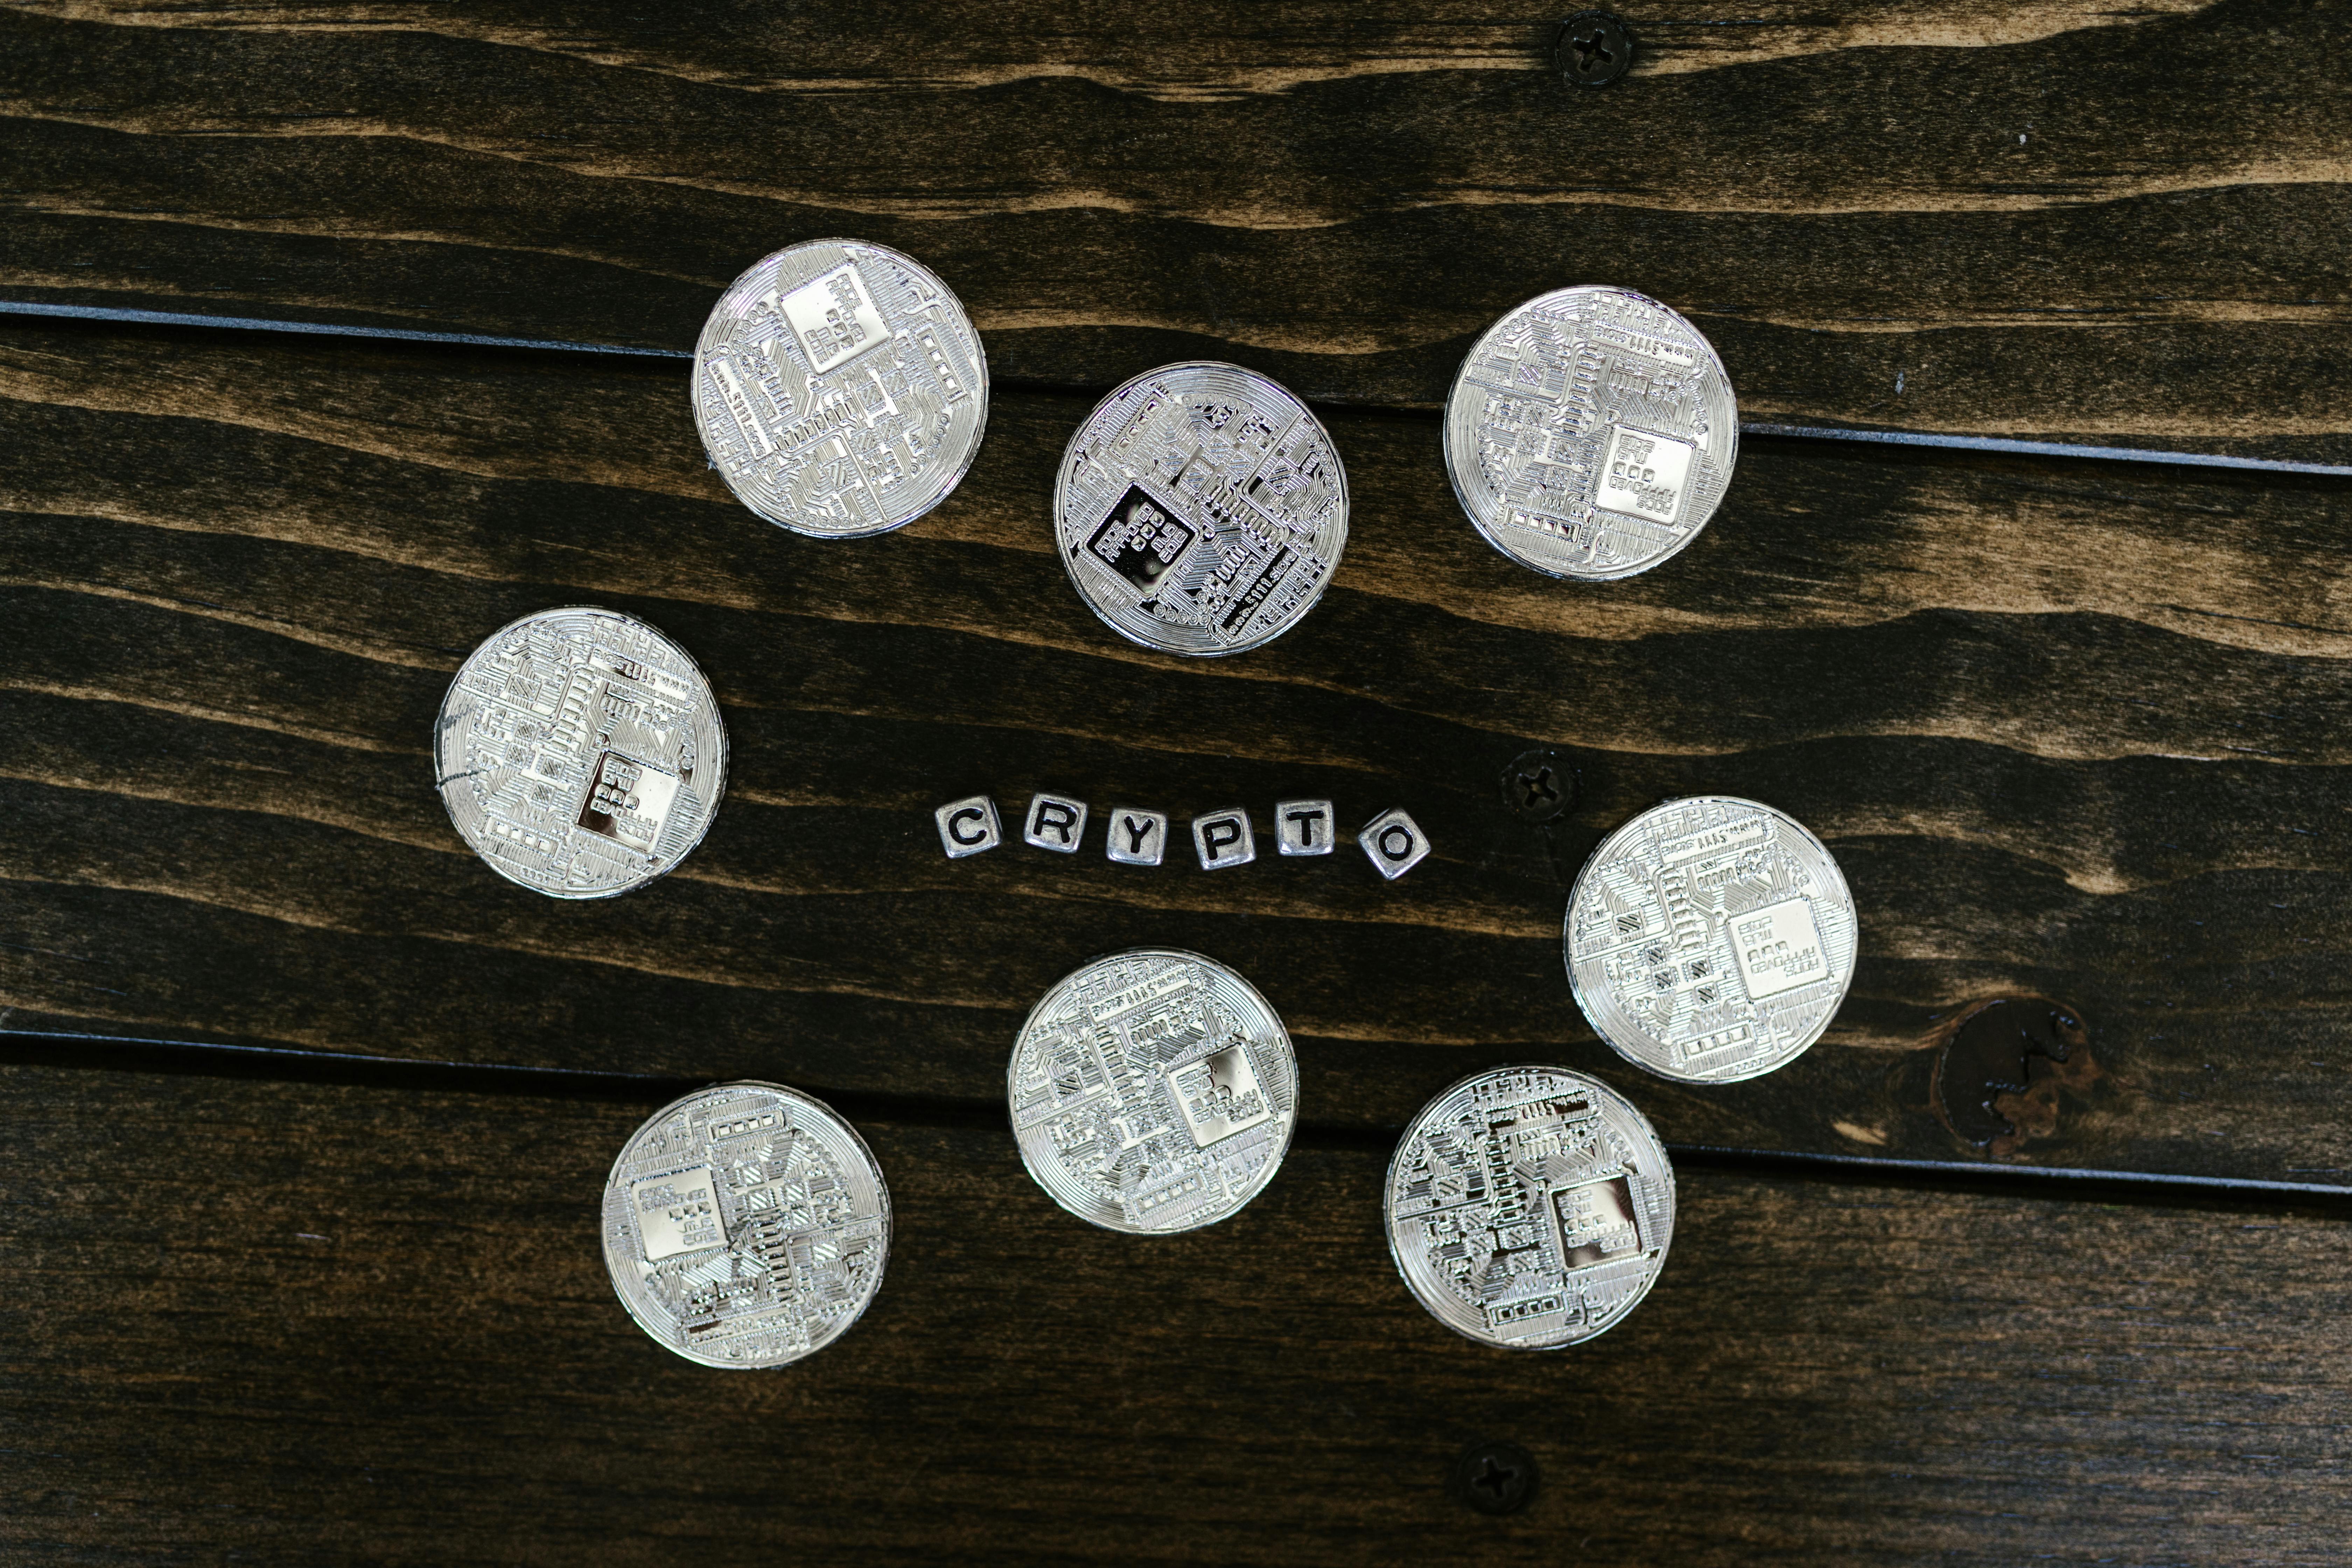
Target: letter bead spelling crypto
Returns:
[[1135, 837], [1394, 842], [1304, 827], [1223, 838], [1056, 822], [969, 827]]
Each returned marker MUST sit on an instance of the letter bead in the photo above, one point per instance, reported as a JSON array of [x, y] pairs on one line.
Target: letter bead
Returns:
[[1306, 826], [1056, 822], [968, 827], [1223, 838], [1394, 842], [1135, 837]]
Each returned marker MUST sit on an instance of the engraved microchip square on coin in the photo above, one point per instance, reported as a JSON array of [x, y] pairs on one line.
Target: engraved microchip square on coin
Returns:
[[1139, 540], [1597, 1222], [628, 802], [1779, 948], [1220, 1096], [678, 1214], [833, 316], [1644, 473]]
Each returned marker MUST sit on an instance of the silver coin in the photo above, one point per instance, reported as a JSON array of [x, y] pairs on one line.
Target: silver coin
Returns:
[[1529, 1207], [1590, 433], [1711, 940], [580, 752], [1152, 1091], [840, 388], [1201, 509], [746, 1225]]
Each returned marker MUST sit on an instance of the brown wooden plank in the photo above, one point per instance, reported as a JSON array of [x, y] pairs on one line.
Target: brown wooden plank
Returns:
[[251, 1319], [2073, 734], [2033, 218]]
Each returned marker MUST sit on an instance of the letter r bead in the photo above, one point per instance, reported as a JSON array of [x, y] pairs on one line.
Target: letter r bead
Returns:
[[1056, 822]]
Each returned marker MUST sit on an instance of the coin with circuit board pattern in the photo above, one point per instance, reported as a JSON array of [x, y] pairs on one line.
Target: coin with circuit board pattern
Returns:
[[746, 1225], [1153, 1090], [1710, 938], [580, 752], [1201, 510], [840, 388], [1590, 433], [1529, 1207]]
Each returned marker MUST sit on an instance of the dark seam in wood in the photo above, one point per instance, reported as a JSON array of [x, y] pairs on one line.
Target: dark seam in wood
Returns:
[[1930, 440], [99, 1053]]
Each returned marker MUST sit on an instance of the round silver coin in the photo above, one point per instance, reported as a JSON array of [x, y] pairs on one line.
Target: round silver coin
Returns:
[[580, 752], [1529, 1207], [840, 388], [1711, 940], [1201, 509], [1590, 433], [1152, 1091], [745, 1224]]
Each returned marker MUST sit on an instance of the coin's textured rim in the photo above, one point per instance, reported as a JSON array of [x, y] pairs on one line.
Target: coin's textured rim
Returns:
[[1454, 460], [1591, 1014], [703, 344], [717, 789], [1412, 1130], [856, 1141], [1289, 1117], [1062, 497]]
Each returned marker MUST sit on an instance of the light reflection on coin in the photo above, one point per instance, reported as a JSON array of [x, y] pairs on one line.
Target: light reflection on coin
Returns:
[[1711, 940], [1529, 1207], [1590, 433], [1152, 1091], [840, 388], [580, 752], [1201, 510], [746, 1225]]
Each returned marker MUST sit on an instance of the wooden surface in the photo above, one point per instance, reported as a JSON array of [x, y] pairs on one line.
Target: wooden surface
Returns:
[[2121, 225], [306, 1112], [2104, 772], [343, 1324]]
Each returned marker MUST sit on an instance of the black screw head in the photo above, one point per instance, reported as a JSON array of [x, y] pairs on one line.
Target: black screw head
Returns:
[[1495, 1477], [1539, 787], [1594, 49]]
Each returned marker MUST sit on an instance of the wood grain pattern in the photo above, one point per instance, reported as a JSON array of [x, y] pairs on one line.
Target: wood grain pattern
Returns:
[[1192, 53], [2071, 734], [290, 1322], [2130, 231]]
